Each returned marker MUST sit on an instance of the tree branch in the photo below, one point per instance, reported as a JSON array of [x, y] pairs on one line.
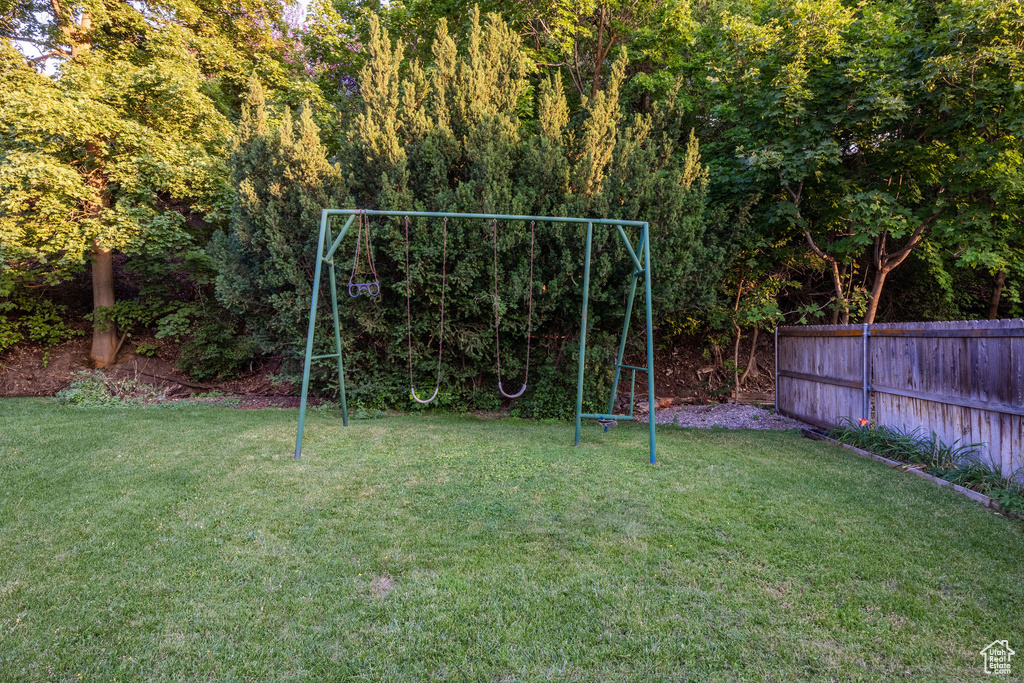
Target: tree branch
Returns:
[[814, 247], [51, 53], [897, 257]]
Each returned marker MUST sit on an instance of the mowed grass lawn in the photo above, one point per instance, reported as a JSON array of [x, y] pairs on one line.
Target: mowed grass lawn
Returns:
[[183, 544]]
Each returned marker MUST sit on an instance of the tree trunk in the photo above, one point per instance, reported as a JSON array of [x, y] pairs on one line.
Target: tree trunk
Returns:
[[876, 291], [997, 293], [751, 360], [597, 61], [841, 313], [736, 361], [104, 332]]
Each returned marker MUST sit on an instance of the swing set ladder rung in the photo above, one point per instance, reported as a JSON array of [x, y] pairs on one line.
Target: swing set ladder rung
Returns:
[[599, 416], [326, 355], [631, 367]]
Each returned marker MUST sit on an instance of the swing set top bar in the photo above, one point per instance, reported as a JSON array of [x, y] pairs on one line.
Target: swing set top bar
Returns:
[[487, 216]]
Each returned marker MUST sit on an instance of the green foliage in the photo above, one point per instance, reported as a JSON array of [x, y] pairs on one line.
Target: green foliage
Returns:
[[147, 350], [34, 319], [93, 389], [450, 136], [215, 347], [1010, 499], [912, 447], [123, 147], [874, 131], [265, 263], [94, 157]]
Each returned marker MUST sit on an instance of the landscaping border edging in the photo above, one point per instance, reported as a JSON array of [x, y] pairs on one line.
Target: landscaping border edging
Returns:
[[966, 492]]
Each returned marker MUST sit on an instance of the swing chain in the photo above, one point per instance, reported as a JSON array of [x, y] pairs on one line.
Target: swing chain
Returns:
[[369, 288], [408, 310], [497, 318]]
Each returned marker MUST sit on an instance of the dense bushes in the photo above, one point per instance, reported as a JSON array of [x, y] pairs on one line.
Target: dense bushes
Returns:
[[842, 149], [458, 135]]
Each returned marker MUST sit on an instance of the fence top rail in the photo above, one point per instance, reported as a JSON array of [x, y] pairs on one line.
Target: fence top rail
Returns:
[[954, 329], [486, 216]]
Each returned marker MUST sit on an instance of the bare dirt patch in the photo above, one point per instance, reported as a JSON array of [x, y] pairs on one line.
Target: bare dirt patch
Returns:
[[28, 370], [381, 586]]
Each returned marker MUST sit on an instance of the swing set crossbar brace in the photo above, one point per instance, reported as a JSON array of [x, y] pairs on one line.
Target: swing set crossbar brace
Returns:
[[641, 261], [631, 367]]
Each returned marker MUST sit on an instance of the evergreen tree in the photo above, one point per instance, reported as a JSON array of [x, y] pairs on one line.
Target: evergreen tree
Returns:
[[459, 135], [267, 258]]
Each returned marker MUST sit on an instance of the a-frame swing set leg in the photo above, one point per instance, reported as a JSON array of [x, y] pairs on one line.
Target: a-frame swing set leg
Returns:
[[337, 337], [641, 267], [583, 333], [622, 341], [325, 239], [650, 338]]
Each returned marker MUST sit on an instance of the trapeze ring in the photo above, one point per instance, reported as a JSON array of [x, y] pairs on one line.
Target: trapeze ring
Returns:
[[516, 395], [416, 398], [369, 288]]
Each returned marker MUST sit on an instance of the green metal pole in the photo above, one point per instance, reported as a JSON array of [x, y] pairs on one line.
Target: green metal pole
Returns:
[[625, 330], [650, 336], [309, 333], [337, 339], [583, 333], [622, 345], [486, 216]]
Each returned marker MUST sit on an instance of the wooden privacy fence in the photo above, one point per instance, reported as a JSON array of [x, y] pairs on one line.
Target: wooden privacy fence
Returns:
[[962, 380]]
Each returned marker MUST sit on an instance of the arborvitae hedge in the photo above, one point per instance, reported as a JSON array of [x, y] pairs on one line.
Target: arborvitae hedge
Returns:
[[468, 133]]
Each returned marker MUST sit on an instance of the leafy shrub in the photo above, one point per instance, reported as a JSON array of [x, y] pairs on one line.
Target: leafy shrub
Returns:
[[215, 347], [92, 389], [1010, 499], [175, 297], [956, 463], [148, 350], [23, 317]]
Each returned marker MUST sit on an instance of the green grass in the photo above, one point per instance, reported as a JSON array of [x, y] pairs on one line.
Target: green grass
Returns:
[[187, 544]]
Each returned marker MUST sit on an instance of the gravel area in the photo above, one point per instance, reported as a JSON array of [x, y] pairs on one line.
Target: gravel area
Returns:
[[724, 415]]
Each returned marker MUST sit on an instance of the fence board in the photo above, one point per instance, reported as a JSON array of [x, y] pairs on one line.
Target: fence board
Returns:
[[833, 357], [963, 380]]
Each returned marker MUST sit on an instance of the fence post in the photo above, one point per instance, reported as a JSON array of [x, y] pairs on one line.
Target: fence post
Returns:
[[776, 369], [866, 372]]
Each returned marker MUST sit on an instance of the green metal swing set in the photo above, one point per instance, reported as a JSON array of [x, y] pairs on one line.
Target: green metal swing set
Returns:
[[328, 245]]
